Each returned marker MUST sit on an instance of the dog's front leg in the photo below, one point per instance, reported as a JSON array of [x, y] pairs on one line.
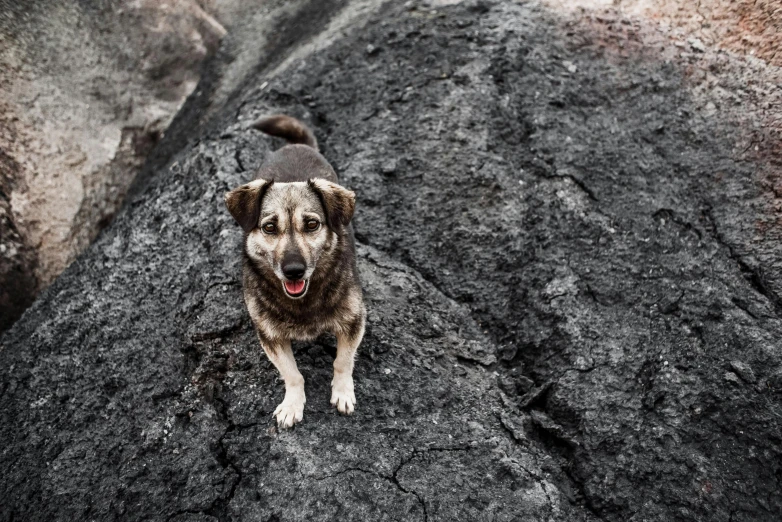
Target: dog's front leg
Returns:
[[343, 396], [291, 409]]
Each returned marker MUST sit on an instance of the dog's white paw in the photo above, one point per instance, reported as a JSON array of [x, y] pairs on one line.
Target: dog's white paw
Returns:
[[342, 395], [291, 409]]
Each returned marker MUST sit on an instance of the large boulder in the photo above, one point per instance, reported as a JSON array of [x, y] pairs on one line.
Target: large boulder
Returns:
[[567, 320], [86, 91]]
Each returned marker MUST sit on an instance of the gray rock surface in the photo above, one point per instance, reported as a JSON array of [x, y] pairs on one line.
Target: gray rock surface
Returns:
[[567, 319], [86, 91]]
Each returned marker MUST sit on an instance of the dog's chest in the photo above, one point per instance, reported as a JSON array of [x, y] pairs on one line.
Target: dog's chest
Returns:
[[299, 325], [307, 332]]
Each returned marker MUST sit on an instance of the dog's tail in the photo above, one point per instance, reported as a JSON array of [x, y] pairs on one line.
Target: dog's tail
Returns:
[[287, 128]]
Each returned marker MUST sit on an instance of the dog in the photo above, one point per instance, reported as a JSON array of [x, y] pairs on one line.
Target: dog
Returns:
[[299, 262]]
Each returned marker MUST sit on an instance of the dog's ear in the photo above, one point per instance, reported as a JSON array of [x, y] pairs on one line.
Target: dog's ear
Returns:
[[338, 202], [244, 203]]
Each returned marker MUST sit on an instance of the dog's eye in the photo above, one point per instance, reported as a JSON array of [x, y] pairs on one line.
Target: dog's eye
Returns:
[[312, 225], [269, 228]]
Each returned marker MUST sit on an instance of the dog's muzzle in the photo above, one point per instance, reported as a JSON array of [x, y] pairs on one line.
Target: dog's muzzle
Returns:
[[293, 268]]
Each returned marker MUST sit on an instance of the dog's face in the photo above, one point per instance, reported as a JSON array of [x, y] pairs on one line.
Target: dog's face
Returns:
[[290, 226]]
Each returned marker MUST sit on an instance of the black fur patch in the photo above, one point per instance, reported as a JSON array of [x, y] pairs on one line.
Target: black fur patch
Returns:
[[338, 204], [244, 204]]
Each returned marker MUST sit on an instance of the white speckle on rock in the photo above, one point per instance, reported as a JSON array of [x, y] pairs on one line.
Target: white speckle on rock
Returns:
[[696, 45]]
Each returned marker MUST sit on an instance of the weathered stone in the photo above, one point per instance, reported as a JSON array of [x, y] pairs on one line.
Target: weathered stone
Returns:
[[86, 91], [529, 212]]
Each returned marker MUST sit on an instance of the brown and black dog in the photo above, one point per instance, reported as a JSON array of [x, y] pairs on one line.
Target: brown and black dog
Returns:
[[300, 277]]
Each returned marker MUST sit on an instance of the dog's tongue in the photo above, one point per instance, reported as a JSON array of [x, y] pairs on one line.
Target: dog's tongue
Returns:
[[294, 287]]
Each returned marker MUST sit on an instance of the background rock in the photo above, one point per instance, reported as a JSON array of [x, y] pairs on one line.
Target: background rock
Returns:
[[750, 27], [567, 318], [86, 91]]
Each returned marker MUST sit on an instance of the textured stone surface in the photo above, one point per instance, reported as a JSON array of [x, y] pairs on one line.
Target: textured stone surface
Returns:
[[567, 319], [86, 91], [749, 27]]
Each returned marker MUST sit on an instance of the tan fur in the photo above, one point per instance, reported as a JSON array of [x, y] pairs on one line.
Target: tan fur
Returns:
[[296, 185], [289, 205]]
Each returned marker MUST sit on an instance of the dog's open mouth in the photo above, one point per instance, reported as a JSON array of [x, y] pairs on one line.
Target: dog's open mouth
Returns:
[[296, 288]]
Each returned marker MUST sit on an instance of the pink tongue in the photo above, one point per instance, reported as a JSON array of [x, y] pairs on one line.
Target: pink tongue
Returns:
[[294, 287]]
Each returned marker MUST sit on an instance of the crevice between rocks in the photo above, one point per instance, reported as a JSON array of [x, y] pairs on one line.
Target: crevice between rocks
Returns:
[[239, 162], [220, 504], [413, 455], [421, 500], [549, 442], [394, 477], [579, 183], [558, 445], [753, 275]]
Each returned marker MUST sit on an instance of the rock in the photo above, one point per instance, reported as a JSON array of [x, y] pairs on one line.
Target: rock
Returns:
[[143, 347], [744, 371], [86, 92], [732, 378], [389, 167], [514, 384], [696, 45], [17, 259]]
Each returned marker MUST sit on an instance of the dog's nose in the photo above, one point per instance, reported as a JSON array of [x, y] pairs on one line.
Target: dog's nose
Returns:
[[293, 267], [294, 271]]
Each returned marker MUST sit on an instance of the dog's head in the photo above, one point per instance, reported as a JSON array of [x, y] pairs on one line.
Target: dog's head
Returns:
[[290, 226]]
